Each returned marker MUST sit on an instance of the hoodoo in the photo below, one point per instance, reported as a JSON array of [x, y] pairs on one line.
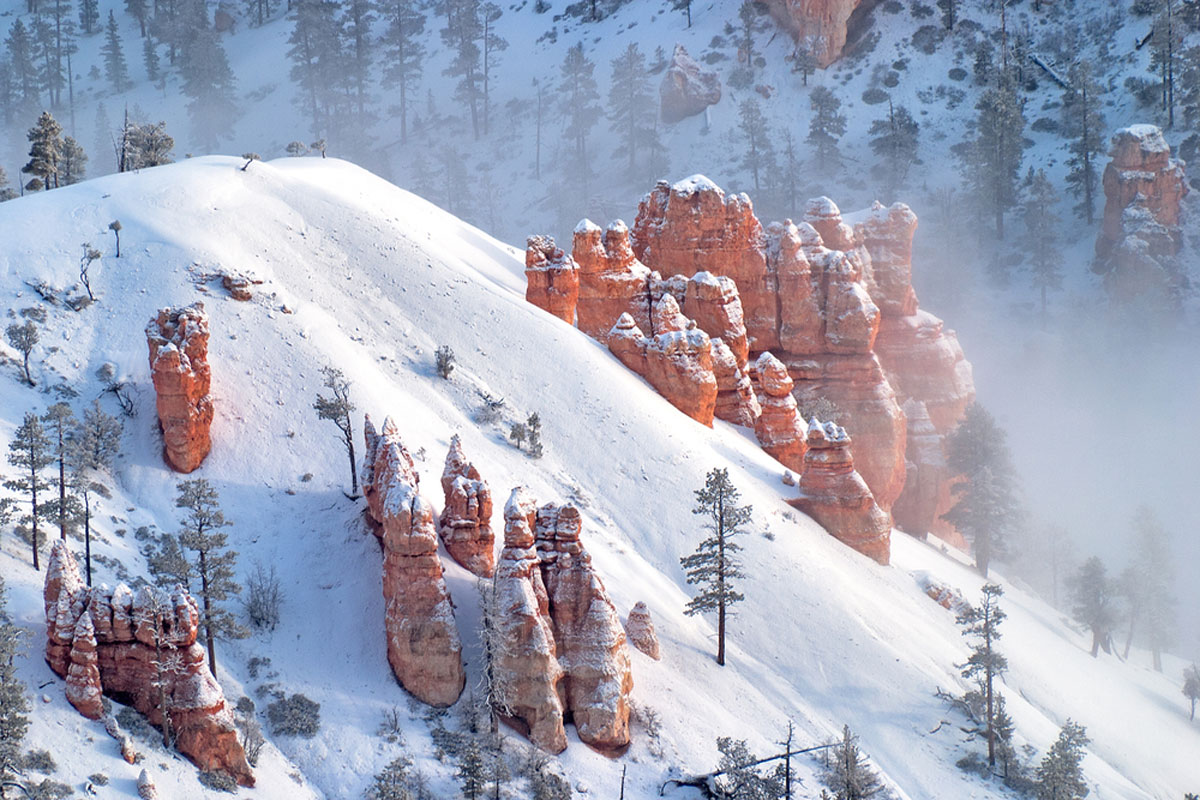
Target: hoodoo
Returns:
[[178, 341]]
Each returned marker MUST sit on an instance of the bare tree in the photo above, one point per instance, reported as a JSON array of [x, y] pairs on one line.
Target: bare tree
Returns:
[[338, 409]]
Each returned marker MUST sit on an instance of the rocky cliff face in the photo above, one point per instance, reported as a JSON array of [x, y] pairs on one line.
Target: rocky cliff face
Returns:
[[836, 496], [686, 88], [611, 281], [552, 278], [178, 342], [818, 26], [108, 641], [1141, 234], [423, 644], [466, 520]]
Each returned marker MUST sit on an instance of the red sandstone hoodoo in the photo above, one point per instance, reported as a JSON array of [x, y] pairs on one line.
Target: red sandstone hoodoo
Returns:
[[466, 520], [178, 341]]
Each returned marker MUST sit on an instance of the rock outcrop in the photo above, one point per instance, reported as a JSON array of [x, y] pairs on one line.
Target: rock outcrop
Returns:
[[466, 520], [836, 496], [780, 428], [591, 642], [611, 281], [686, 88], [736, 401], [639, 627], [123, 644], [1141, 234], [552, 278], [423, 644], [818, 26], [178, 341], [526, 671]]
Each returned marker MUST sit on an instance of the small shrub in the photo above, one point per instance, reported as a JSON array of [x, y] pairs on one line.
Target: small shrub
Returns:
[[493, 408], [48, 790], [1045, 125], [891, 80], [927, 38], [258, 664], [533, 430], [392, 728], [263, 597], [220, 781], [445, 361], [958, 74], [874, 96], [295, 716], [820, 408], [40, 761], [98, 778]]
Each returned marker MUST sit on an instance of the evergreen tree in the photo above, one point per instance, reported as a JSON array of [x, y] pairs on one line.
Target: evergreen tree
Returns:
[[1191, 688], [493, 43], [791, 173], [986, 663], [748, 26], [202, 534], [463, 32], [1094, 595], [405, 52], [23, 337], [14, 706], [986, 504], [740, 778], [102, 134], [1164, 55], [150, 59], [137, 10], [208, 84], [259, 10], [146, 145], [826, 127], [1041, 226], [759, 156], [848, 774], [357, 18], [394, 782], [317, 61], [31, 451], [115, 69], [684, 6], [62, 43], [60, 420], [45, 152], [89, 16], [168, 563], [578, 99], [894, 140], [94, 445], [471, 774], [804, 60], [73, 167], [631, 111], [993, 157], [715, 565], [23, 72], [1060, 775], [1084, 124], [1148, 584], [6, 191], [1189, 100], [337, 408]]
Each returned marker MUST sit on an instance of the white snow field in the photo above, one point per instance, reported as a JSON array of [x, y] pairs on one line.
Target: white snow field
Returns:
[[362, 275]]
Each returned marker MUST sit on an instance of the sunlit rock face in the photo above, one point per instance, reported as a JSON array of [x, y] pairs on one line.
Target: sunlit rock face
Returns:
[[130, 645], [819, 26], [639, 627], [612, 281], [551, 278], [178, 342], [780, 428], [686, 89], [466, 520], [423, 644], [1141, 235], [836, 496]]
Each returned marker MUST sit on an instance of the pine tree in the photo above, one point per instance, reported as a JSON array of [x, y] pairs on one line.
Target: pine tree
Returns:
[[631, 111], [259, 10], [993, 157], [791, 173], [579, 101], [337, 408], [759, 156], [94, 445], [23, 337], [986, 504], [405, 52], [848, 774], [115, 69], [31, 451], [1060, 775], [317, 61], [471, 774], [826, 127], [201, 533], [1041, 226], [493, 43], [208, 83], [1084, 124], [150, 59], [168, 563], [894, 139], [357, 18], [102, 133], [6, 191], [986, 663], [1094, 595], [740, 777], [74, 162], [45, 151], [1191, 688], [715, 565], [89, 15], [146, 145], [1189, 100], [1164, 55], [463, 33], [60, 420], [137, 10], [393, 782], [24, 77], [14, 706], [1147, 584]]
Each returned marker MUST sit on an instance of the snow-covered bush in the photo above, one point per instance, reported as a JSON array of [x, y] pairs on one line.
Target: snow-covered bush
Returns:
[[220, 781], [445, 361], [263, 597], [295, 716]]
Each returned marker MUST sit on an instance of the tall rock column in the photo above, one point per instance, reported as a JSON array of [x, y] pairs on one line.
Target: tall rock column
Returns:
[[466, 520], [780, 428], [178, 341], [552, 278]]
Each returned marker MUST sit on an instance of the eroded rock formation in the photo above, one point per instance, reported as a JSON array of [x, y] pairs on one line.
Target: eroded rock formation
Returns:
[[466, 520], [639, 627], [1141, 234], [611, 281], [552, 278], [686, 88], [836, 496], [178, 341], [526, 670], [591, 642], [780, 428], [110, 641], [818, 26], [927, 483], [423, 645]]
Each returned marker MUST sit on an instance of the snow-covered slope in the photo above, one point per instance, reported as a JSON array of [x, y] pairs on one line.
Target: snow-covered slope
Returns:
[[359, 274]]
